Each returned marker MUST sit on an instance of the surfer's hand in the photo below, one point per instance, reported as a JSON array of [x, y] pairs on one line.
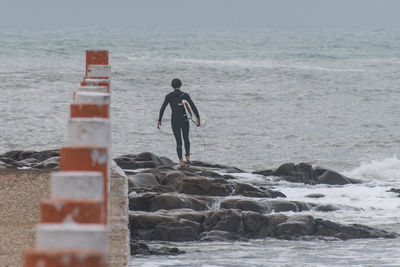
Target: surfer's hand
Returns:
[[198, 122], [159, 124]]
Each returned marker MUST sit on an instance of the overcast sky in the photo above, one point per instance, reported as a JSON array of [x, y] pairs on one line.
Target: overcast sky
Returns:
[[202, 13]]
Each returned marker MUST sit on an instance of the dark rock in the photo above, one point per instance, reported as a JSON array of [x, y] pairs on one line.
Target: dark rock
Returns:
[[344, 232], [316, 195], [157, 174], [244, 204], [251, 191], [147, 220], [229, 177], [143, 179], [129, 162], [286, 169], [174, 202], [298, 225], [220, 190], [283, 206], [394, 190], [268, 172], [333, 178], [224, 220], [172, 177], [217, 235], [228, 169], [194, 186], [326, 207], [141, 203], [140, 248], [51, 163], [177, 231], [210, 174]]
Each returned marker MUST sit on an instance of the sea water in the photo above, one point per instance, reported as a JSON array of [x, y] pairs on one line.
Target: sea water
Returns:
[[270, 96]]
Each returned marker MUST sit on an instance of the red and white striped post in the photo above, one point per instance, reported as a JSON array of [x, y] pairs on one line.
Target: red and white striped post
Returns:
[[73, 227]]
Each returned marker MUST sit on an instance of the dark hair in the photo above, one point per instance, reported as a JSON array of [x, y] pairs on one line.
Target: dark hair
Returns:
[[176, 83]]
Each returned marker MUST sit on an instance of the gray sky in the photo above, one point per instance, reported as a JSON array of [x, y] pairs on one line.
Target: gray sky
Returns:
[[202, 13]]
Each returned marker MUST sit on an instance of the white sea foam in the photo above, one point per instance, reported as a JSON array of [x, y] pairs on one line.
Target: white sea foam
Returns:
[[384, 170]]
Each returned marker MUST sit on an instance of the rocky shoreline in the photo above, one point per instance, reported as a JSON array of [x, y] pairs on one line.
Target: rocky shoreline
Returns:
[[208, 202]]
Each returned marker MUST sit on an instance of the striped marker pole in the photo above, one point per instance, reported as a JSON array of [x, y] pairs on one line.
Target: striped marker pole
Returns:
[[73, 228]]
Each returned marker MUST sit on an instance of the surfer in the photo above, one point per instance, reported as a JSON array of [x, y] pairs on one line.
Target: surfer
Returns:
[[179, 118]]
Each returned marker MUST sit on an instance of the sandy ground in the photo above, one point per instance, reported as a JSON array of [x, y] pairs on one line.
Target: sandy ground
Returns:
[[20, 195]]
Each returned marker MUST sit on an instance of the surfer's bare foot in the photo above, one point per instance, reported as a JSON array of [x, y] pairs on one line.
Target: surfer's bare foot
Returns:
[[181, 163], [188, 160]]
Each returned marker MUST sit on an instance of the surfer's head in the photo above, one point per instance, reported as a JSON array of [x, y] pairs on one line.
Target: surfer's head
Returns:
[[176, 83]]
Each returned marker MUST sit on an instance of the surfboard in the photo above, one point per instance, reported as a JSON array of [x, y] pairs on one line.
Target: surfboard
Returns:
[[191, 116]]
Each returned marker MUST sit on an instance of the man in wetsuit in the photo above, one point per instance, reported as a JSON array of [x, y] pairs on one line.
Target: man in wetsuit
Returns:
[[179, 120]]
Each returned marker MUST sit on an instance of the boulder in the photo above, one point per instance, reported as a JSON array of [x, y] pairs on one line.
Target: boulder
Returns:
[[182, 230], [168, 202], [284, 205], [333, 178], [140, 248], [316, 195], [172, 177], [327, 207], [194, 186], [143, 180], [51, 163], [298, 225], [251, 191], [129, 162], [244, 204], [344, 232], [224, 220], [217, 235]]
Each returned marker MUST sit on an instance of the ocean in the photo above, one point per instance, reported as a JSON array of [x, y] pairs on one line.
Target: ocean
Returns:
[[328, 97]]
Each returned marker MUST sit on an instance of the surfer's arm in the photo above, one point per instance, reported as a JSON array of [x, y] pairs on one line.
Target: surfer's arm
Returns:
[[164, 105]]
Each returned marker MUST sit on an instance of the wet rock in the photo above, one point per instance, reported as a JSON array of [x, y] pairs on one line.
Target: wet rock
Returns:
[[394, 190], [201, 186], [327, 207], [140, 248], [184, 225], [18, 155], [267, 172], [183, 230], [251, 191], [344, 232], [333, 178], [316, 195], [129, 162], [283, 206], [172, 177], [228, 169], [217, 235], [143, 180], [224, 220], [298, 225], [194, 186], [174, 202], [157, 174], [244, 204], [51, 163]]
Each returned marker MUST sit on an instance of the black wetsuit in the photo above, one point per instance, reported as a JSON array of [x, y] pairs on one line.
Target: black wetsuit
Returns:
[[179, 120]]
